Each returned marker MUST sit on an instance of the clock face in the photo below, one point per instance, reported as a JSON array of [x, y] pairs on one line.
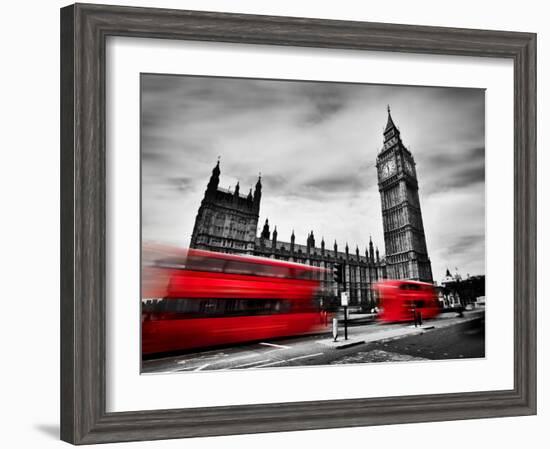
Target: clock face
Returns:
[[388, 168]]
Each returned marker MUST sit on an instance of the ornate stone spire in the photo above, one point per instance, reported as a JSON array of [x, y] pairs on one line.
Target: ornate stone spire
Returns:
[[389, 125], [265, 231], [258, 192], [214, 178], [371, 249]]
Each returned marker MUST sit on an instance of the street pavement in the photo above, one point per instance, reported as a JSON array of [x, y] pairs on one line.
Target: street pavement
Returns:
[[446, 337]]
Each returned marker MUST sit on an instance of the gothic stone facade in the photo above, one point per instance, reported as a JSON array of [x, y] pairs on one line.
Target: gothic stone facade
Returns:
[[360, 271], [228, 222]]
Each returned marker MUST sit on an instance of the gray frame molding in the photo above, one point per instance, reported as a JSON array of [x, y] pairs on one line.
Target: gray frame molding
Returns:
[[84, 28]]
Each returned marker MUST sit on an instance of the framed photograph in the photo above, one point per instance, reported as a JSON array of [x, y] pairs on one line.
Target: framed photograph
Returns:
[[275, 223]]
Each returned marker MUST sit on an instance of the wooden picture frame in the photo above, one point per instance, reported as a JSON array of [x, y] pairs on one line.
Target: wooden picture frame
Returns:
[[84, 29]]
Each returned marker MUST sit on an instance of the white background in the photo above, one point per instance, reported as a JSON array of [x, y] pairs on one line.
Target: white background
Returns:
[[30, 223]]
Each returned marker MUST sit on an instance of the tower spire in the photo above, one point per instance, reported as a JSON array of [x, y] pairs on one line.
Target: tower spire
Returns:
[[371, 249], [274, 239], [406, 254], [265, 231], [389, 124], [214, 178], [258, 192]]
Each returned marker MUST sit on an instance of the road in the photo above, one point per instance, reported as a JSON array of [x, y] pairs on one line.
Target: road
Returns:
[[447, 337]]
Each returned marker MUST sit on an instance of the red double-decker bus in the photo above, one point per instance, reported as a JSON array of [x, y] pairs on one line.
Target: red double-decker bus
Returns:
[[404, 300], [195, 299]]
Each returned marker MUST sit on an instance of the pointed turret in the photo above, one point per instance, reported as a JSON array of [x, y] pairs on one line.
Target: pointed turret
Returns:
[[323, 245], [335, 249], [258, 192], [377, 255], [265, 231], [371, 250], [274, 240], [391, 133], [214, 179], [292, 239], [237, 189], [390, 125]]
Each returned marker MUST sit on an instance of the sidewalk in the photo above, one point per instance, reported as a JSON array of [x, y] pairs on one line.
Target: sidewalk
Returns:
[[385, 332]]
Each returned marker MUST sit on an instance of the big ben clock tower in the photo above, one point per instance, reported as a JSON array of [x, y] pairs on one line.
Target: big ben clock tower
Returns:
[[406, 252]]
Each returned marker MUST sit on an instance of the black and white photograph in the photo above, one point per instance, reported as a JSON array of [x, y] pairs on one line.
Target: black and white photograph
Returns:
[[291, 223]]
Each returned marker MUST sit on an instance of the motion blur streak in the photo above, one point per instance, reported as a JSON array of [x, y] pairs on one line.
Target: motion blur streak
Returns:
[[195, 298], [402, 300]]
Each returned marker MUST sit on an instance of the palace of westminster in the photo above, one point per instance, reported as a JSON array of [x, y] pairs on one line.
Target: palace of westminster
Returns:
[[228, 222]]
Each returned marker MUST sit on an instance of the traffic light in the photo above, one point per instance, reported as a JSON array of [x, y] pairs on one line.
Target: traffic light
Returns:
[[338, 273]]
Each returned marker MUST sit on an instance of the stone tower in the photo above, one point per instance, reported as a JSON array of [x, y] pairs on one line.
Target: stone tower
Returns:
[[406, 252], [227, 221]]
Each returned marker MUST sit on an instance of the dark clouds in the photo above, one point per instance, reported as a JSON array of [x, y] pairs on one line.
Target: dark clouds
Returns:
[[461, 170], [315, 145]]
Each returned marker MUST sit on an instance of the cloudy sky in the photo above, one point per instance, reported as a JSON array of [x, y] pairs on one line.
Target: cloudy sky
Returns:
[[315, 145]]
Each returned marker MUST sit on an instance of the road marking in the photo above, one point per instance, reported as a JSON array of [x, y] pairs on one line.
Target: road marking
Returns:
[[275, 346], [189, 368], [201, 358], [290, 360], [200, 368], [251, 363], [234, 359]]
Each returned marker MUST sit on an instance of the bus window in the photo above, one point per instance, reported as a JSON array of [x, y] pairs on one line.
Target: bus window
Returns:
[[303, 274], [248, 268], [196, 308], [200, 263]]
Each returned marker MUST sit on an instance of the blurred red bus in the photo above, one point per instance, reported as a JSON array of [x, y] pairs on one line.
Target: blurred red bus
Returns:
[[196, 299], [399, 299]]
